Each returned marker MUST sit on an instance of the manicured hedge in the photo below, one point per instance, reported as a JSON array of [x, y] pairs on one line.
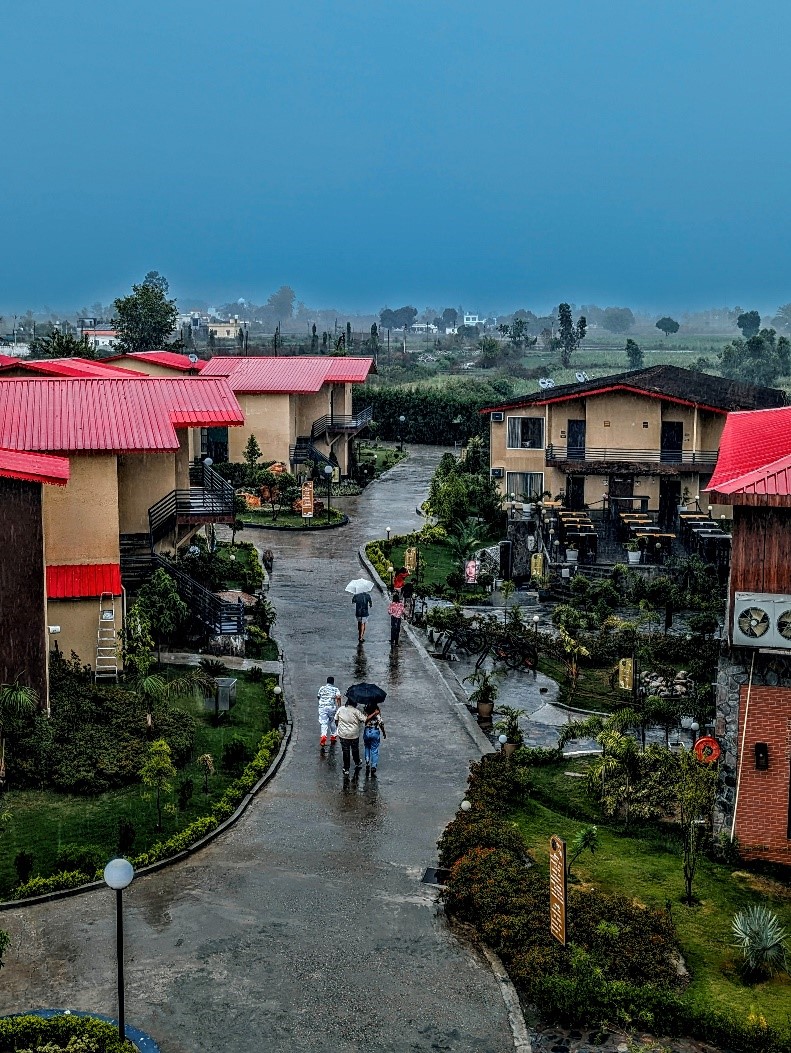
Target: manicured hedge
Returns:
[[87, 1035]]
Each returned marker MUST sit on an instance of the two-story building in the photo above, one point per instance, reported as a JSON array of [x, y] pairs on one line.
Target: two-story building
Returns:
[[638, 438], [125, 489], [299, 408]]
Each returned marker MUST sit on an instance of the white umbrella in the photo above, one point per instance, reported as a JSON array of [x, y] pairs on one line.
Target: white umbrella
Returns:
[[359, 585]]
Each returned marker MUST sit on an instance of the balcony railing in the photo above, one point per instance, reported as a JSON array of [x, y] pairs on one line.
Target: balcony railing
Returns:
[[210, 499], [588, 454], [336, 422], [219, 616]]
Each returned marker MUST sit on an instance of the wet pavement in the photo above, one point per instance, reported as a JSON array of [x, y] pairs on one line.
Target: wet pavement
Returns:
[[305, 927]]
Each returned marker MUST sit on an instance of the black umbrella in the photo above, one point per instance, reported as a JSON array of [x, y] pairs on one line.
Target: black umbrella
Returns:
[[363, 694]]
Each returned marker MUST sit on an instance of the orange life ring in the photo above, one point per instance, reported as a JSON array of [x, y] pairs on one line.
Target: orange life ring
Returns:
[[707, 749]]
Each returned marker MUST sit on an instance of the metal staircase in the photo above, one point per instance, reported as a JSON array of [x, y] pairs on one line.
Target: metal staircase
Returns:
[[106, 640], [303, 450]]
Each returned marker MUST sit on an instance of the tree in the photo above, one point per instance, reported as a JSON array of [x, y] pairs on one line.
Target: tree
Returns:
[[634, 355], [782, 319], [617, 319], [490, 351], [206, 763], [16, 700], [314, 340], [278, 489], [281, 303], [449, 318], [759, 360], [161, 604], [668, 325], [695, 785], [62, 345], [585, 840], [251, 457], [570, 336], [157, 773], [749, 322], [146, 318]]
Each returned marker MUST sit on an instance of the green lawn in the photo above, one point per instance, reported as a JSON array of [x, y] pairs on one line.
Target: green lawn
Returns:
[[42, 821], [593, 688], [649, 870], [382, 457], [245, 558], [263, 517]]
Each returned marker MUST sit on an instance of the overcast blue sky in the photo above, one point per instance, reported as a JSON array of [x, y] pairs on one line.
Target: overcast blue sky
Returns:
[[496, 155]]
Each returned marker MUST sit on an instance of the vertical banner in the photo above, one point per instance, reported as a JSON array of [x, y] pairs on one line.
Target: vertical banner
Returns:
[[625, 674], [557, 889], [410, 559], [307, 500]]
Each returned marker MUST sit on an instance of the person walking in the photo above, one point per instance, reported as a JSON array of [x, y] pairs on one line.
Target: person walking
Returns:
[[362, 605], [350, 723], [373, 733], [329, 699], [396, 612]]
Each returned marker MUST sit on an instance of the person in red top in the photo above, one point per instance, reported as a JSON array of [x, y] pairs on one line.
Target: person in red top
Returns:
[[398, 581], [396, 612]]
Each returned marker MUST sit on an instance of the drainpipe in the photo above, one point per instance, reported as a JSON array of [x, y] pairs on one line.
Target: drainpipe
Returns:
[[741, 749]]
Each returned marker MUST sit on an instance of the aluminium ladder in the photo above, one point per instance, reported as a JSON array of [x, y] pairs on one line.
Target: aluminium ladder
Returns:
[[106, 640]]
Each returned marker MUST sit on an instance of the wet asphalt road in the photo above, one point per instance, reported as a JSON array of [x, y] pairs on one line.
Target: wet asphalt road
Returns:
[[306, 927]]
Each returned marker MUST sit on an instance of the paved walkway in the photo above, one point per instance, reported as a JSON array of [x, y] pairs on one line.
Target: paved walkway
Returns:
[[307, 926]]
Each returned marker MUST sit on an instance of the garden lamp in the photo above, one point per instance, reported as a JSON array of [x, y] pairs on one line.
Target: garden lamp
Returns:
[[328, 477], [118, 874], [401, 421], [465, 805], [536, 620], [387, 529]]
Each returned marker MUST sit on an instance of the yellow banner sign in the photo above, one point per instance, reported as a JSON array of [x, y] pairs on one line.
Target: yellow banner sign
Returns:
[[410, 559], [625, 674], [307, 500]]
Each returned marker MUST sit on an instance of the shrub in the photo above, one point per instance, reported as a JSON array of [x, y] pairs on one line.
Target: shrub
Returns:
[[84, 858], [235, 754], [256, 675], [23, 865], [77, 1034], [184, 793], [762, 940], [255, 641], [39, 886], [213, 667], [469, 830], [497, 786]]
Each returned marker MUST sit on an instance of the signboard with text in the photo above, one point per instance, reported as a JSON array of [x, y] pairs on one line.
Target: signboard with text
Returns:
[[626, 674], [557, 889], [307, 500]]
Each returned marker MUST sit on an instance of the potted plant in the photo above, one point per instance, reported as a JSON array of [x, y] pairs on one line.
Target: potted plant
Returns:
[[509, 726], [685, 496], [632, 552], [484, 696]]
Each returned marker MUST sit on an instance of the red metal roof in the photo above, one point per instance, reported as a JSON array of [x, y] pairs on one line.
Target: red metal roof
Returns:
[[34, 467], [755, 454], [172, 359], [66, 582], [114, 415], [6, 360], [288, 375], [68, 367]]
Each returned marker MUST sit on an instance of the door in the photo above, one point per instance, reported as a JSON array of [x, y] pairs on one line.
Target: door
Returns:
[[669, 499], [575, 442], [672, 441], [575, 492], [621, 493]]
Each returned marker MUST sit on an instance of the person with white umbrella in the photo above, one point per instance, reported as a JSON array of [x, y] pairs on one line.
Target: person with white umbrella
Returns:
[[360, 589]]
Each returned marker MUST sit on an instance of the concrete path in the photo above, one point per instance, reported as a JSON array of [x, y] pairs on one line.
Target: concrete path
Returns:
[[307, 926]]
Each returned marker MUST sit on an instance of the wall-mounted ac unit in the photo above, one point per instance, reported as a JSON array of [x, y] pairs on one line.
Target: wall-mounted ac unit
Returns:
[[498, 417], [761, 619], [497, 473]]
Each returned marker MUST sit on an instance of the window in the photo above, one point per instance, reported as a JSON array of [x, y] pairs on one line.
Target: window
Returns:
[[525, 485], [525, 433]]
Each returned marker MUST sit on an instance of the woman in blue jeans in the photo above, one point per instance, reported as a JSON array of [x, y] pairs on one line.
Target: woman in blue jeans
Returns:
[[373, 733]]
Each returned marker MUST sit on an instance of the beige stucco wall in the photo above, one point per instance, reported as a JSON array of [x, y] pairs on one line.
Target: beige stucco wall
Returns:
[[81, 518], [142, 480], [150, 369], [268, 418], [183, 457], [79, 624]]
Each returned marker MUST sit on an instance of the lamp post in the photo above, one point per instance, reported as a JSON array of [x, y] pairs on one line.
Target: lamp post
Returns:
[[502, 739], [328, 477], [466, 805], [118, 874], [536, 620], [387, 530], [512, 499], [401, 422], [391, 572], [278, 693]]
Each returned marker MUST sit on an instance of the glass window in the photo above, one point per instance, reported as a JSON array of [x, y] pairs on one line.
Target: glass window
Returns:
[[525, 486], [525, 433]]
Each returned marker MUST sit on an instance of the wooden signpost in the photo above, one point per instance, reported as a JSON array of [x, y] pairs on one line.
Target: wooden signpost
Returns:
[[307, 500], [557, 889]]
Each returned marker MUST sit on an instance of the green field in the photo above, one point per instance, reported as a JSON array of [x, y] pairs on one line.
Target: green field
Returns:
[[650, 870], [42, 822]]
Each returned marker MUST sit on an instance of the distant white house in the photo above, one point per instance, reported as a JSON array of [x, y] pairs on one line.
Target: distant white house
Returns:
[[473, 319], [98, 337], [424, 327]]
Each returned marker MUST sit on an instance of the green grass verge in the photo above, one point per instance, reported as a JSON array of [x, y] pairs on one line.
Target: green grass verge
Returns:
[[245, 558], [290, 519], [652, 873], [43, 822], [593, 688]]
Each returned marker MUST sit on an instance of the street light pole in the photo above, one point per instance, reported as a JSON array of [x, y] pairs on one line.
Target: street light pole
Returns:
[[328, 477], [401, 421], [118, 874]]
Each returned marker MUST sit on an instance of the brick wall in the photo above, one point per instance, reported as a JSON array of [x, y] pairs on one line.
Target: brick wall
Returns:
[[762, 810]]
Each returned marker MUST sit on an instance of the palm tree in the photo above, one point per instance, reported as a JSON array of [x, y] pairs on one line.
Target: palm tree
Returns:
[[465, 539], [151, 688], [16, 700]]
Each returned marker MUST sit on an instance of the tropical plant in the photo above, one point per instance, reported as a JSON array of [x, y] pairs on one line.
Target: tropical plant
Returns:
[[485, 686], [694, 788], [509, 725], [572, 652], [762, 940], [16, 700], [465, 538], [161, 604], [585, 840]]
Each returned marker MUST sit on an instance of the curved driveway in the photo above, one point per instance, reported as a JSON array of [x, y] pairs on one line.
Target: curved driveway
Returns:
[[305, 927]]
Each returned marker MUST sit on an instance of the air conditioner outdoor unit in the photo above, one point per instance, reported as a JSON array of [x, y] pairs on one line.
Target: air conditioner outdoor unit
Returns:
[[498, 417], [761, 619], [497, 473]]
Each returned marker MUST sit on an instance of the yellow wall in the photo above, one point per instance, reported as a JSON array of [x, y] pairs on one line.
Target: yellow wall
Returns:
[[142, 480], [268, 418], [79, 624], [150, 369], [183, 457], [81, 518]]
